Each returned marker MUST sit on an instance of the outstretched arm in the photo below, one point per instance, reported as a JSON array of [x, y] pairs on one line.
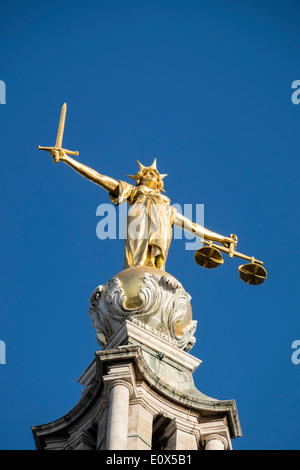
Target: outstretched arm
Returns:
[[199, 231], [111, 185]]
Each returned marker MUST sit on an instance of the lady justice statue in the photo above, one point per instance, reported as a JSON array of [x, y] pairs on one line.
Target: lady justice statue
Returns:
[[150, 211], [146, 249]]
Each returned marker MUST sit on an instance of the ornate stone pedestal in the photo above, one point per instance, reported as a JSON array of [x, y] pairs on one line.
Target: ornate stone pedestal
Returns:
[[139, 391], [150, 295]]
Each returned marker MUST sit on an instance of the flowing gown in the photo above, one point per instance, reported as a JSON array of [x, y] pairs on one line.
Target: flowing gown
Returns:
[[149, 225]]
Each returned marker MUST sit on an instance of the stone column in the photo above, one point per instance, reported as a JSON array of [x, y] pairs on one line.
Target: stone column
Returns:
[[117, 426], [181, 436], [216, 442], [140, 426]]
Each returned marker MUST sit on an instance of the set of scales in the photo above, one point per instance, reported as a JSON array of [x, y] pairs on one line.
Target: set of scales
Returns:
[[209, 256]]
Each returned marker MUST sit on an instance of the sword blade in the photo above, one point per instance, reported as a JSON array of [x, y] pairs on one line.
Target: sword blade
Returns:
[[61, 126]]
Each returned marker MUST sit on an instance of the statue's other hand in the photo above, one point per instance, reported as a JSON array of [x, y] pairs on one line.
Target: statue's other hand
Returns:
[[230, 240]]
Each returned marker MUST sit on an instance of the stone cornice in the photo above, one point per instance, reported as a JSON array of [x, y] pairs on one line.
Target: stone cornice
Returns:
[[227, 407], [87, 403]]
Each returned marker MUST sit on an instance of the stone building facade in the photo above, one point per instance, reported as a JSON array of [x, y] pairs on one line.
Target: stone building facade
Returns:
[[138, 392]]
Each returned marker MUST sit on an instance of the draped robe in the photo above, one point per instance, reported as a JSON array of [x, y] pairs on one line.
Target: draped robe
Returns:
[[149, 225]]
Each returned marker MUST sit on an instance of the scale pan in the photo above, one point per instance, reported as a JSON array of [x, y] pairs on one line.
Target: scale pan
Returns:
[[252, 273], [208, 257]]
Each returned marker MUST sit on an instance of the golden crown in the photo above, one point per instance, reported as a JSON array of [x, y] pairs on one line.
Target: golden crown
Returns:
[[144, 169]]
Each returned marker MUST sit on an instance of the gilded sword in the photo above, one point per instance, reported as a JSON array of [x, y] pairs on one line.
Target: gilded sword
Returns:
[[59, 137]]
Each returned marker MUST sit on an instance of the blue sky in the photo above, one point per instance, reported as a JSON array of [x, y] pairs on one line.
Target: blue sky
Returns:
[[205, 87]]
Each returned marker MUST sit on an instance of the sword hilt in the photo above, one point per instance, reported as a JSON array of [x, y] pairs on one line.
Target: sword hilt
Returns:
[[68, 152]]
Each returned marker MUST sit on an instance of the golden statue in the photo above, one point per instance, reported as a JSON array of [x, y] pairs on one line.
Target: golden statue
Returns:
[[152, 212]]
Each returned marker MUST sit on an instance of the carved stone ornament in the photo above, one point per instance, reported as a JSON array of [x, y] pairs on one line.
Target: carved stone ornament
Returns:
[[159, 301]]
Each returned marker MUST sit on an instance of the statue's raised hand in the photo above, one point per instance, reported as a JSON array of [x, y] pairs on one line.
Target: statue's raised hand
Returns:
[[58, 155]]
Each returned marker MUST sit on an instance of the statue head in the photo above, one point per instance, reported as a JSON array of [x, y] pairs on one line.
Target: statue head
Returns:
[[149, 175]]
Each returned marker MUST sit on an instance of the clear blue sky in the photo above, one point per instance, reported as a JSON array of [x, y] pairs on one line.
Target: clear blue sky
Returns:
[[206, 88]]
